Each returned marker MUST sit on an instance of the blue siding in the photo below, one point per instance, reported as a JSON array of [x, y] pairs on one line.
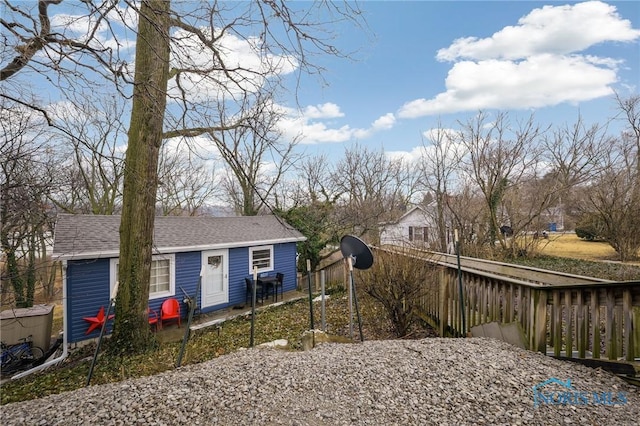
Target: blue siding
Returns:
[[87, 291], [88, 284], [187, 274], [285, 262], [238, 271]]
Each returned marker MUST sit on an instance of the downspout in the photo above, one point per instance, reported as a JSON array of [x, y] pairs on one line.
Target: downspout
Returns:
[[65, 351]]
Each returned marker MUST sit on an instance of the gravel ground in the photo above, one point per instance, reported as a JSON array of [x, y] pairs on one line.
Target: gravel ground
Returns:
[[393, 382]]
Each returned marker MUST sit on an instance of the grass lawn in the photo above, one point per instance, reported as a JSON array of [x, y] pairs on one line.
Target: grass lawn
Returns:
[[569, 245], [573, 255]]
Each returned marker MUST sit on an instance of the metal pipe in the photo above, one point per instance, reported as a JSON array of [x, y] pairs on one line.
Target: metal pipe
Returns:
[[253, 304], [355, 299], [352, 288], [95, 354], [112, 302], [350, 285], [193, 305], [310, 294], [322, 280]]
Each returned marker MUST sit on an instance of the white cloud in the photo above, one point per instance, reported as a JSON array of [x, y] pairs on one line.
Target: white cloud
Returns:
[[246, 68], [314, 124], [534, 64], [117, 32], [308, 132], [200, 146], [550, 29], [410, 157], [442, 135], [328, 110], [385, 122], [539, 81]]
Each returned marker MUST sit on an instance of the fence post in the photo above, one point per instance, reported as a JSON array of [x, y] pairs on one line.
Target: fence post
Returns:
[[627, 306], [595, 324], [611, 337], [581, 325], [557, 321], [636, 331], [538, 332], [443, 314]]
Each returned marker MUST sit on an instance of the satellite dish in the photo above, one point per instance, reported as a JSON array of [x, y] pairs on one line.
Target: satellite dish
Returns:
[[358, 250]]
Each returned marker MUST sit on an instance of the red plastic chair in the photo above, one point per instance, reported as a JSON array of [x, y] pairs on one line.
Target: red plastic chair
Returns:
[[153, 319], [170, 311]]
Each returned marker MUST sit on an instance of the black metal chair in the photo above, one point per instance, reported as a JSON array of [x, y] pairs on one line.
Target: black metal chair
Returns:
[[249, 293], [279, 283]]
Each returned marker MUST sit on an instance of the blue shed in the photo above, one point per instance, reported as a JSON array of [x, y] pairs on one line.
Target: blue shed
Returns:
[[224, 249]]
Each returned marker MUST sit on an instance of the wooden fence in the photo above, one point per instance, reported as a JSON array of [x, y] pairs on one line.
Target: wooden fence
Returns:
[[560, 314]]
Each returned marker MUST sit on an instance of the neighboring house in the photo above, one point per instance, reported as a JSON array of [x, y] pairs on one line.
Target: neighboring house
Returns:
[[416, 227], [225, 249]]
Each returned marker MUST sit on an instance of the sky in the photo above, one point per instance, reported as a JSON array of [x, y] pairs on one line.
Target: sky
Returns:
[[436, 62], [424, 64]]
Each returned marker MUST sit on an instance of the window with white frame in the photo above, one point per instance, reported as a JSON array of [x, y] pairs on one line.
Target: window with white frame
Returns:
[[162, 282], [261, 258], [418, 233]]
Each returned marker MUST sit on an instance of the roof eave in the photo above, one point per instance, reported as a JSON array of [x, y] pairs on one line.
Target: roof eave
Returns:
[[179, 249]]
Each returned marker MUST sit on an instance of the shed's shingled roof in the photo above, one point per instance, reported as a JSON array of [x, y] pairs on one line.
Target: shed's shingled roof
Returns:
[[93, 236]]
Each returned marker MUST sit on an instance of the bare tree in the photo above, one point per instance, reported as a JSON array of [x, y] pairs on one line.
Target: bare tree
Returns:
[[308, 203], [438, 165], [497, 158], [187, 183], [25, 216], [630, 113], [256, 157], [131, 332], [92, 157], [373, 187], [612, 197], [572, 153], [467, 208], [614, 200]]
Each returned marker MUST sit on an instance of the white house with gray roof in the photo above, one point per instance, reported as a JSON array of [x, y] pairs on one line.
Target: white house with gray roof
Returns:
[[224, 249], [417, 228]]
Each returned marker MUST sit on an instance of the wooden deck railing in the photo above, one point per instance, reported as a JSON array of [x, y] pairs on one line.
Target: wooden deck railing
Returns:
[[560, 314]]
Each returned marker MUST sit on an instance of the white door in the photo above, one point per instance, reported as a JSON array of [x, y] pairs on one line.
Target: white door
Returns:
[[215, 278]]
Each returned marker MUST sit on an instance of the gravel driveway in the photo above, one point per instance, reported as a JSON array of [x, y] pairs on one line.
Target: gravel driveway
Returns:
[[394, 382]]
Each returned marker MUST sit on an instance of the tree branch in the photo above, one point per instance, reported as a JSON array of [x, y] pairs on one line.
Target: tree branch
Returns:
[[28, 50]]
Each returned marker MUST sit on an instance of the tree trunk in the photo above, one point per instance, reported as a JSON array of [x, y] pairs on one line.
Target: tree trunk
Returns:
[[131, 330], [442, 226]]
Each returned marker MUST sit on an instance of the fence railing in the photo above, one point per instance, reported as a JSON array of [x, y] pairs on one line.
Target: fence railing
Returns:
[[560, 314]]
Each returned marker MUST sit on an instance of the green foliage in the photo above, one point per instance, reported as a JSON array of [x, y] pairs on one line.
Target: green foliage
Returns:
[[590, 227], [585, 234], [313, 221]]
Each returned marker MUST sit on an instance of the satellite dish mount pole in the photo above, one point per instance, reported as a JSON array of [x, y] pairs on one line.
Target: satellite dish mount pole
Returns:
[[355, 300]]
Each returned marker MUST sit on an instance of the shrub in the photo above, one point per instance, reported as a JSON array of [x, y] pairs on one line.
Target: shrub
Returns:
[[589, 227], [397, 281]]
